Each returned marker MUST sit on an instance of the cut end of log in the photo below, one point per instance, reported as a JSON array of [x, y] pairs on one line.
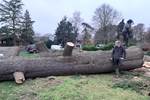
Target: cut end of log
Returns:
[[19, 77], [70, 44]]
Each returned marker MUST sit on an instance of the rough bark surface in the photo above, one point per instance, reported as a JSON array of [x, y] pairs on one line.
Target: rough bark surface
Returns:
[[41, 47], [9, 52], [85, 63], [68, 49]]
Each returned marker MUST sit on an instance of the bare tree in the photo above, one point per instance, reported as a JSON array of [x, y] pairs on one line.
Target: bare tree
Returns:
[[108, 35], [87, 36], [138, 31], [105, 16], [76, 21]]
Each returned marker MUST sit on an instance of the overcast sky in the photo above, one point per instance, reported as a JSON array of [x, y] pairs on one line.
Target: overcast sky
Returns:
[[48, 13]]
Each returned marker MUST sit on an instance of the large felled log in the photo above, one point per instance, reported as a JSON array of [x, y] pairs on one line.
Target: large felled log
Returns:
[[85, 63]]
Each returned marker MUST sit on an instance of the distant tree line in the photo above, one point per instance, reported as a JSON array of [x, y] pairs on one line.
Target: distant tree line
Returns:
[[15, 28], [104, 28]]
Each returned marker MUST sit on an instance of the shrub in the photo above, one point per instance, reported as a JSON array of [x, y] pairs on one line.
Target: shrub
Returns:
[[108, 46], [89, 48]]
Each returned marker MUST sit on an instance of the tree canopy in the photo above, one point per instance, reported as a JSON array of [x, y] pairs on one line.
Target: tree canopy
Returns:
[[104, 17], [13, 23], [65, 32], [11, 14], [27, 29]]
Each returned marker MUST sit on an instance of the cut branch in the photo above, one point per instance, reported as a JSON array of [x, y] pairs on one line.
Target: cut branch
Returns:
[[68, 49]]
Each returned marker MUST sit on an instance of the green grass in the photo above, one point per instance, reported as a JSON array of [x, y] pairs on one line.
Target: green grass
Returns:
[[89, 48], [28, 55], [92, 87], [106, 47]]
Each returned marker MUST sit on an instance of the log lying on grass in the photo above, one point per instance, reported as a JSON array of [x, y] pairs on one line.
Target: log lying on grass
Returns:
[[85, 63]]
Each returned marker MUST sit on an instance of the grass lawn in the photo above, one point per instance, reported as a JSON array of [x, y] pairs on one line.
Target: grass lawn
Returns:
[[28, 55], [92, 87]]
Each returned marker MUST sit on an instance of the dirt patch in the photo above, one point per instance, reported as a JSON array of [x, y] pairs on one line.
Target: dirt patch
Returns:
[[52, 81], [37, 85], [49, 82], [28, 96]]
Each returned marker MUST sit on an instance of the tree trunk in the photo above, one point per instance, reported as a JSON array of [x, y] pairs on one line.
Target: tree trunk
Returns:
[[68, 49], [85, 63], [14, 30], [9, 52], [41, 47]]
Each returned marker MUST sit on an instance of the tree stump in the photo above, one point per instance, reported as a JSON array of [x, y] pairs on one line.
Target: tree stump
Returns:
[[68, 49], [41, 47]]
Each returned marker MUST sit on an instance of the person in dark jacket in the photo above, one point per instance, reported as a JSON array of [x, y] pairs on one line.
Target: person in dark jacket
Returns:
[[120, 29], [118, 54], [127, 32]]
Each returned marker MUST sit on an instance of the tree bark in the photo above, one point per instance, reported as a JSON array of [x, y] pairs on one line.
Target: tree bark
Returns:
[[9, 52], [68, 49], [85, 63], [41, 47]]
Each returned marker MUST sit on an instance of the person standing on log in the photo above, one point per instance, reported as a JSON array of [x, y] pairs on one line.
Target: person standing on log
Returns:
[[127, 32], [118, 54], [120, 29]]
